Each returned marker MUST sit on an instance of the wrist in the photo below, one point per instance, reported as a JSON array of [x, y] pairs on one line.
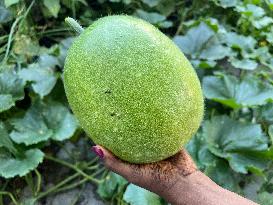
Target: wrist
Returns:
[[191, 189], [197, 188]]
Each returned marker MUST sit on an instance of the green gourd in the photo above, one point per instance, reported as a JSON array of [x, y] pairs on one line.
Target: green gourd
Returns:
[[132, 89]]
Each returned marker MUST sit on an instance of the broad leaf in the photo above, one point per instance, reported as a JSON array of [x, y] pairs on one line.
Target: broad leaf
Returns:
[[113, 183], [222, 174], [201, 42], [245, 64], [41, 75], [151, 3], [265, 198], [237, 142], [198, 149], [11, 89], [194, 39], [226, 3], [154, 18], [135, 195], [59, 120], [43, 121], [5, 141], [31, 129], [228, 90], [8, 3], [11, 167]]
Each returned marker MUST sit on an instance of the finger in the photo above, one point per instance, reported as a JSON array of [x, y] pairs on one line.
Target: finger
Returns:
[[112, 162]]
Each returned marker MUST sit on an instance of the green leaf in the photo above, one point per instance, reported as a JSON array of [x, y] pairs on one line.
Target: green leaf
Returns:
[[194, 39], [8, 3], [251, 10], [151, 3], [265, 198], [234, 40], [154, 18], [222, 174], [135, 195], [59, 120], [237, 142], [31, 129], [5, 140], [11, 167], [43, 121], [270, 132], [41, 75], [245, 64], [5, 15], [53, 6], [266, 112], [201, 42], [229, 91], [262, 22], [166, 7], [11, 89], [198, 149], [113, 183], [226, 3]]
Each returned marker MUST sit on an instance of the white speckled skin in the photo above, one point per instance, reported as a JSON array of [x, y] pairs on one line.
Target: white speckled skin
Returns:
[[132, 90]]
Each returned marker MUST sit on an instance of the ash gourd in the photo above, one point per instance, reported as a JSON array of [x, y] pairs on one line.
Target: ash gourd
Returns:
[[132, 89]]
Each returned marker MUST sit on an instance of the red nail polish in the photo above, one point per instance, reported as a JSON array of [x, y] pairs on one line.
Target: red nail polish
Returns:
[[98, 152]]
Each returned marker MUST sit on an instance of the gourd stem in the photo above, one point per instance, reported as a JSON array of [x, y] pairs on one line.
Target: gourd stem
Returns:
[[74, 25]]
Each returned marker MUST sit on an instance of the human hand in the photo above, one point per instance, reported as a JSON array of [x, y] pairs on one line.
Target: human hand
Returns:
[[176, 179], [156, 177]]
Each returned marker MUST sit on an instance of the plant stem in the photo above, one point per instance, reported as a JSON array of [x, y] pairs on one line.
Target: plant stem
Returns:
[[10, 195], [73, 167], [12, 31], [71, 186], [39, 179], [53, 189], [74, 25]]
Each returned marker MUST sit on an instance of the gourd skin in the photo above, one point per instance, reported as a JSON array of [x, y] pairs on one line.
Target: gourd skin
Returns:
[[132, 89]]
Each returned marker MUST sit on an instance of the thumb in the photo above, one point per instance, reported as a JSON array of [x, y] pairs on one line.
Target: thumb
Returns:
[[112, 162]]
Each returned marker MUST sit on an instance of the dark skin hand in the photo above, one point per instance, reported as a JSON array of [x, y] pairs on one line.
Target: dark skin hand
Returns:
[[176, 179]]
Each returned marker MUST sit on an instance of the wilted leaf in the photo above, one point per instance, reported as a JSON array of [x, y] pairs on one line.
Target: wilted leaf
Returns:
[[135, 195], [11, 167], [237, 142], [228, 90], [11, 89]]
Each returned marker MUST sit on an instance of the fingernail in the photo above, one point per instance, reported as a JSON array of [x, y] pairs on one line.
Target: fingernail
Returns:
[[98, 151]]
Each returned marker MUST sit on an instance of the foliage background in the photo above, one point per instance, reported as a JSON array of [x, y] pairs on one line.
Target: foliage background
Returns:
[[42, 148]]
